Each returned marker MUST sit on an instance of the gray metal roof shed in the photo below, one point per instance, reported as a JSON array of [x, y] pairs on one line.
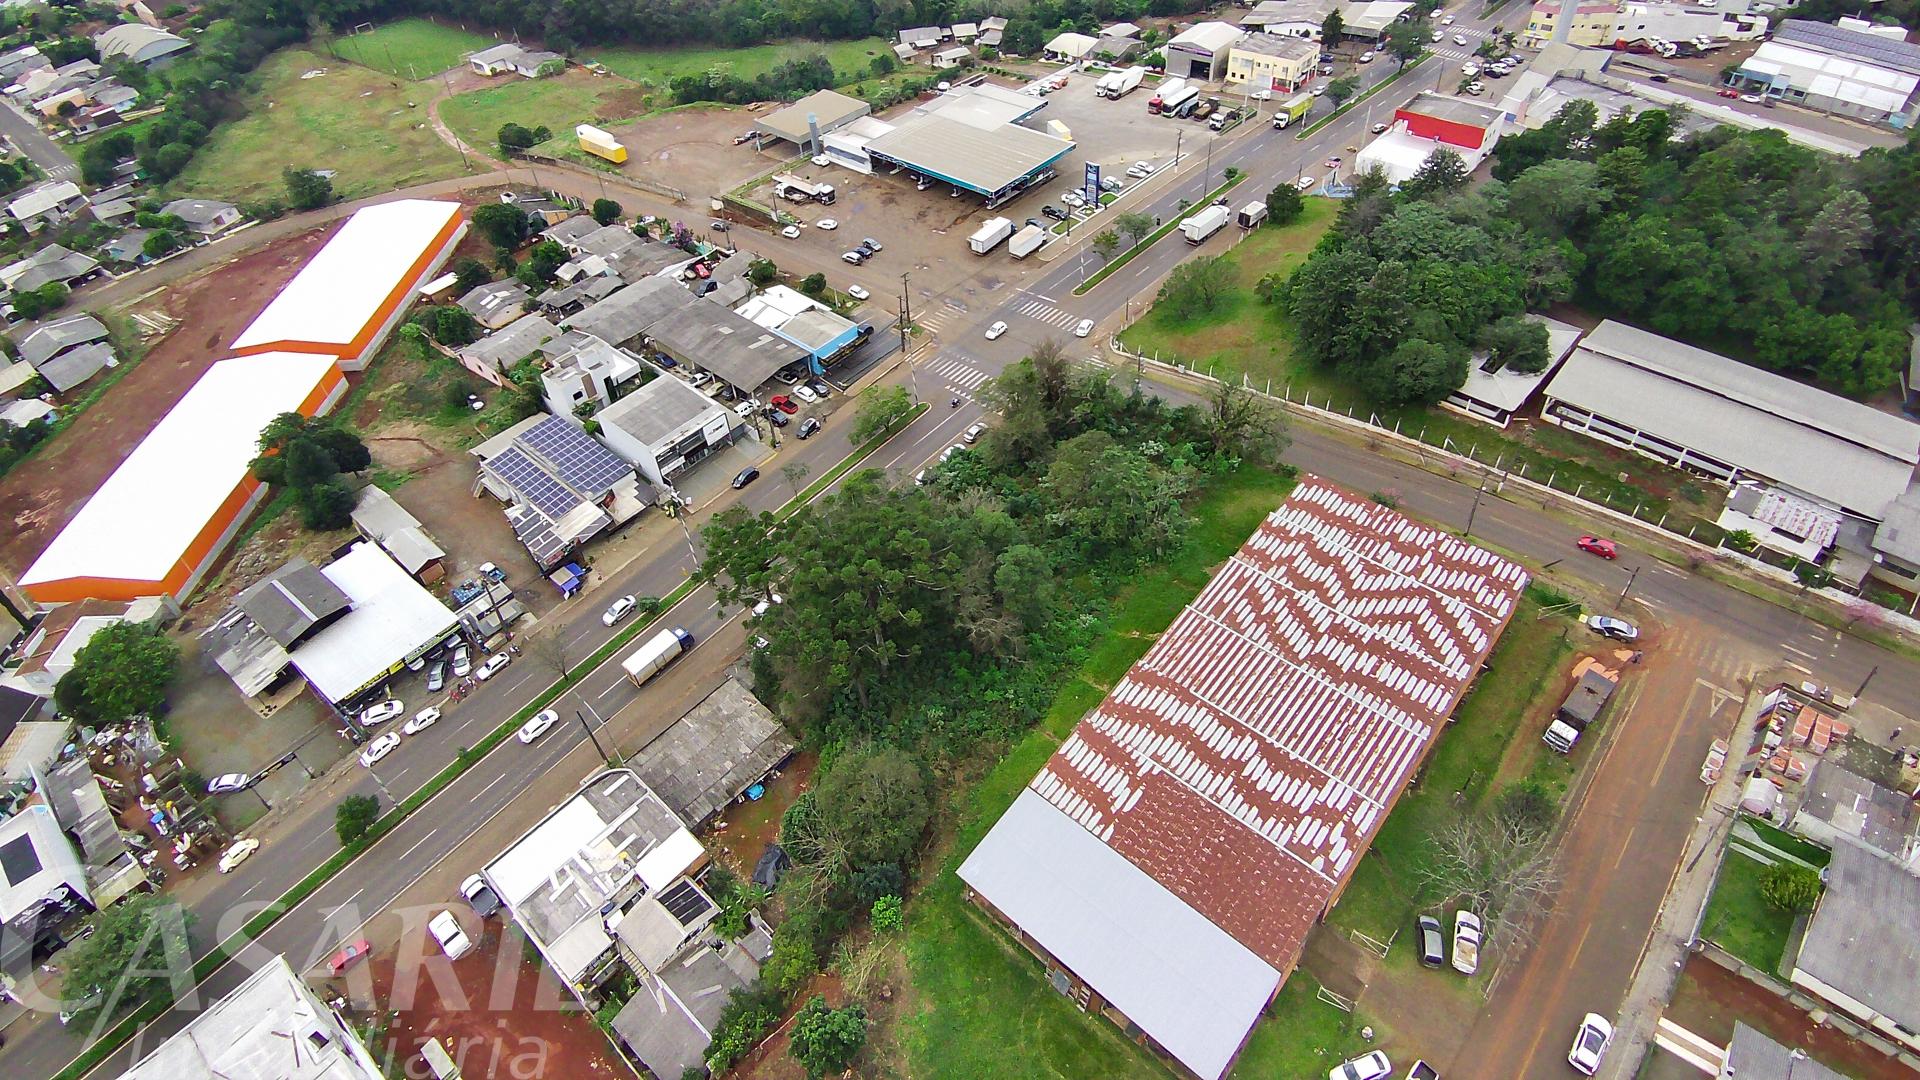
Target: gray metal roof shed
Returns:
[[629, 312], [724, 342], [1864, 938], [830, 111], [51, 339]]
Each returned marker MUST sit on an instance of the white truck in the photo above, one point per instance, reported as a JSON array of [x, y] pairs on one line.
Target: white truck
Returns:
[[1118, 84], [1466, 942], [1251, 215], [1026, 241], [1580, 711], [988, 236], [1169, 90], [653, 657], [1204, 224], [788, 186]]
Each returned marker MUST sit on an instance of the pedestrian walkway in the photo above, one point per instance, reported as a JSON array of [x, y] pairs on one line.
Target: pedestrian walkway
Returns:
[[1048, 314], [956, 374]]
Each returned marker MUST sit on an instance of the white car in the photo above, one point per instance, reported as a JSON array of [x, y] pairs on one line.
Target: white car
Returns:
[[1446, 20], [1467, 935], [1590, 1044], [538, 726], [857, 292], [379, 748], [1305, 183], [791, 232], [233, 781], [822, 160], [462, 662], [1751, 99], [1459, 39], [493, 665], [1084, 328], [383, 712], [618, 610], [763, 606], [1379, 128], [1373, 1066], [1366, 57], [746, 409], [1145, 167], [1439, 35], [1617, 629], [1074, 199], [421, 721], [994, 331], [453, 940], [950, 451], [826, 223], [804, 394], [973, 433], [238, 853]]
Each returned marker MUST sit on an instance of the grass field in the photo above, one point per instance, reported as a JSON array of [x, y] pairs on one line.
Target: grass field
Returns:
[[655, 68], [982, 1007], [1301, 1036], [559, 103], [351, 120], [411, 48], [1740, 921]]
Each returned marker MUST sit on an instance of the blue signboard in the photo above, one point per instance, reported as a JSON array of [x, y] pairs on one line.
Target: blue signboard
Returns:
[[1093, 183]]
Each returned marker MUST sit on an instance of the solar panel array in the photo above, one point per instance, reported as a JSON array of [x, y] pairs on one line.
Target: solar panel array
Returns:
[[582, 463], [685, 903], [532, 482]]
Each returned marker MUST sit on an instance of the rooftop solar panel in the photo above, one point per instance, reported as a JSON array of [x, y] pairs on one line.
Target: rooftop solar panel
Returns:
[[536, 532], [685, 903], [532, 482], [579, 459]]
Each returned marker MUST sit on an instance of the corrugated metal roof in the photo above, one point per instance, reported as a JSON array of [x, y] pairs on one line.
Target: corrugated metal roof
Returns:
[[1838, 40]]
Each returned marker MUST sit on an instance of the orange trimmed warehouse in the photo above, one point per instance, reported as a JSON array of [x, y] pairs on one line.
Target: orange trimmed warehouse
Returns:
[[172, 507], [350, 295]]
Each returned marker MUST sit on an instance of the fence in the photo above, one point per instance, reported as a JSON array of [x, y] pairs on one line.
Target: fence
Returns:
[[606, 176]]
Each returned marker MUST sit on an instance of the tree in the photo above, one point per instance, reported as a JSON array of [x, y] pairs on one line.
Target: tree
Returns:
[[169, 161], [1500, 869], [454, 326], [1136, 225], [1790, 888], [1407, 40], [1515, 343], [1284, 204], [1331, 29], [879, 409], [1242, 424], [543, 263], [354, 816], [325, 506], [606, 211], [514, 136], [762, 272], [469, 274], [795, 474], [160, 243], [1106, 244], [875, 803], [742, 560], [138, 952], [883, 65], [306, 189], [1341, 89], [33, 303], [1196, 288], [551, 650], [814, 284], [1442, 173], [505, 225], [886, 913], [824, 1040], [122, 671], [1418, 370]]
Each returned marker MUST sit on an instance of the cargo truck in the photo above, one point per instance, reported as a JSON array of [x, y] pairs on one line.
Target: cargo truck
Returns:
[[653, 657], [1579, 711], [1251, 215], [792, 187], [988, 236], [1291, 110], [1118, 84], [1169, 90], [1204, 224], [1026, 241]]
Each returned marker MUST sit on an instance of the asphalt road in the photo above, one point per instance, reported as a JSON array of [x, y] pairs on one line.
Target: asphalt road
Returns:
[[26, 137]]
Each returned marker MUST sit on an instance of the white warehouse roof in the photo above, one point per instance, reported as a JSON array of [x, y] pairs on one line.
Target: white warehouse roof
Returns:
[[338, 301], [1208, 37], [1840, 78], [142, 523], [393, 618]]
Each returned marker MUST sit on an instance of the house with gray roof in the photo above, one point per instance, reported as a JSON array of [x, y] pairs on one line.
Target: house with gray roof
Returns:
[[493, 355], [627, 313], [76, 366], [129, 247], [206, 217], [496, 303], [51, 203], [1839, 806], [49, 340], [1753, 1056], [511, 57], [1861, 952], [48, 265]]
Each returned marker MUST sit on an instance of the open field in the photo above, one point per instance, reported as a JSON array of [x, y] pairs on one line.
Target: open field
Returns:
[[558, 103], [372, 132], [411, 48], [656, 68], [975, 993]]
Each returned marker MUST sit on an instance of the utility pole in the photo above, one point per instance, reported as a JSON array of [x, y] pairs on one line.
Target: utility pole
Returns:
[[578, 715], [906, 319], [1865, 681], [1475, 508], [1627, 587]]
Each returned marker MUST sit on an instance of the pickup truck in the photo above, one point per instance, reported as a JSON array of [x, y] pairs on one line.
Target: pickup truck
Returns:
[[1466, 942]]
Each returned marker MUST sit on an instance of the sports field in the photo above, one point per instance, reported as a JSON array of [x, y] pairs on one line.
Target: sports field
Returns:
[[411, 48]]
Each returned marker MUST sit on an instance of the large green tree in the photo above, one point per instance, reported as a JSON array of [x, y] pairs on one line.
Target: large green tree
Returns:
[[123, 670], [138, 952], [875, 805], [825, 1039]]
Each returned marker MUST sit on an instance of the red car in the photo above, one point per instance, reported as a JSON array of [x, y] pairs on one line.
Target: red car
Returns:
[[1728, 93], [1596, 546], [783, 403], [348, 956]]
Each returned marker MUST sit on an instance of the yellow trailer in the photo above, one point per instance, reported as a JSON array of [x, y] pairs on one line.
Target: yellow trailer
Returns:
[[601, 144]]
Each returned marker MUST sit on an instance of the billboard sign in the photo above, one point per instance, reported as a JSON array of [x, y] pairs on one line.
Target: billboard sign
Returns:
[[1093, 183]]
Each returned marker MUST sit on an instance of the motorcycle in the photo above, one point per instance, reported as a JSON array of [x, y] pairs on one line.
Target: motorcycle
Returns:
[[954, 404]]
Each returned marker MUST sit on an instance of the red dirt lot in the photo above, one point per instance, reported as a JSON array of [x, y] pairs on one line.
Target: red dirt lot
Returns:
[[516, 1021], [43, 493]]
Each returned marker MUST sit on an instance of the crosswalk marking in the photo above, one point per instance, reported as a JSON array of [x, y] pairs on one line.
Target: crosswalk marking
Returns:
[[1048, 314], [956, 373]]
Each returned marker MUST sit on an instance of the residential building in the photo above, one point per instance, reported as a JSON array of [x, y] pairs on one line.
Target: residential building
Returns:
[[22, 413], [510, 57], [1495, 394], [496, 354], [954, 57], [561, 486], [964, 31], [1839, 806], [1896, 544], [1753, 1056], [50, 647], [666, 427], [1200, 51], [591, 373], [48, 265], [992, 29], [68, 352], [703, 336], [130, 247], [1861, 951], [20, 61], [137, 43], [1728, 421], [87, 815], [379, 517], [204, 217], [51, 202], [495, 303], [623, 316], [1169, 860], [271, 1025], [1271, 62], [1069, 47], [1851, 72], [565, 301], [1591, 25], [921, 37]]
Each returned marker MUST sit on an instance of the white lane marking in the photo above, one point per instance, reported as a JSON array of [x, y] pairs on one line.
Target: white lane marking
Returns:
[[416, 847]]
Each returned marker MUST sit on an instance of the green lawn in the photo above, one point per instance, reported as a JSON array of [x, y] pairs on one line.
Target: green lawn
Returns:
[[559, 103], [1385, 889], [1301, 1036], [1739, 921], [981, 1007], [411, 48], [352, 120], [1242, 334], [1781, 840], [655, 68]]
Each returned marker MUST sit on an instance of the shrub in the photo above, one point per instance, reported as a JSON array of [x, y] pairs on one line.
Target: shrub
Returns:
[[888, 913], [749, 1014], [1790, 888]]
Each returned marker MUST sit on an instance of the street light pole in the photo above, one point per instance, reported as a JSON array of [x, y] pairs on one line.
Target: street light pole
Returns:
[[578, 715]]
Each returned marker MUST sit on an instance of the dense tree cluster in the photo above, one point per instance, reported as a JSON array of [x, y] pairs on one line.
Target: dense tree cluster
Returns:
[[123, 671], [1795, 261], [307, 456]]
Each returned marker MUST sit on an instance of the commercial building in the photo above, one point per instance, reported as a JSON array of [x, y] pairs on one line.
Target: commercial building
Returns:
[[667, 427], [270, 1026], [704, 336], [1200, 51], [379, 517], [823, 333], [1428, 123], [560, 485], [1705, 413], [1169, 860], [43, 888], [350, 295], [138, 43], [722, 747], [1647, 22], [161, 519], [1896, 543], [1271, 62], [1290, 18], [1496, 394], [625, 315], [1591, 23], [1368, 20], [971, 137], [1836, 69], [1861, 952], [818, 113]]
